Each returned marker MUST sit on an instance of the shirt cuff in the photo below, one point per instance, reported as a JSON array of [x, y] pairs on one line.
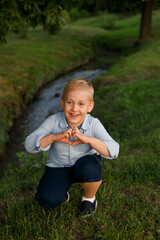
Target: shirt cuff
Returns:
[[38, 147], [113, 149]]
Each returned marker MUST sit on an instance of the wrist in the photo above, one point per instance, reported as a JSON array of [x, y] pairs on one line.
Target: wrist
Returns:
[[52, 138], [90, 140]]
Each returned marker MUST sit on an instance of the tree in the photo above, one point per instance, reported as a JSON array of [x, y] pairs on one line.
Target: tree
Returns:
[[146, 19], [32, 12], [143, 6]]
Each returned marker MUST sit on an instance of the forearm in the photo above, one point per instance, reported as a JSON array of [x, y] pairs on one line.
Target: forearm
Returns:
[[99, 146], [47, 140]]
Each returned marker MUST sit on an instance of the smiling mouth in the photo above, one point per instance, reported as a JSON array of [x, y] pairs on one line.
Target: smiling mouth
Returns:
[[74, 115]]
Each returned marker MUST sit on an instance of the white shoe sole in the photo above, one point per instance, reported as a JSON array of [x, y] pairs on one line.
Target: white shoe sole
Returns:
[[68, 198]]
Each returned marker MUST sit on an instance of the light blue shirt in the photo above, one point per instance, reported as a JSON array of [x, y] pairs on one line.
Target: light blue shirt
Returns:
[[62, 154]]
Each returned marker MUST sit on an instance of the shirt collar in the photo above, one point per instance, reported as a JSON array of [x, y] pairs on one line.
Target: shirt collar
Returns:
[[64, 124], [85, 123]]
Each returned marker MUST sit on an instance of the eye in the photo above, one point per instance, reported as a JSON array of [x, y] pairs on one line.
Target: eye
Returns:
[[69, 102], [81, 104]]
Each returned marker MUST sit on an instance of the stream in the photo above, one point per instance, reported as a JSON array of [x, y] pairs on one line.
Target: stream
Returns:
[[47, 102]]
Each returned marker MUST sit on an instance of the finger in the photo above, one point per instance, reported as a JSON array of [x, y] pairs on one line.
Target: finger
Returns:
[[74, 129], [74, 135], [65, 140], [74, 132], [67, 131], [70, 132], [68, 135], [68, 142], [75, 143]]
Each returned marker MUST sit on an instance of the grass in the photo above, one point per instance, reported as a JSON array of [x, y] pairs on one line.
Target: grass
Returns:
[[127, 102], [104, 21]]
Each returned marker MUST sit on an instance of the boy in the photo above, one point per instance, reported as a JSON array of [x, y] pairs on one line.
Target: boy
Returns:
[[75, 141]]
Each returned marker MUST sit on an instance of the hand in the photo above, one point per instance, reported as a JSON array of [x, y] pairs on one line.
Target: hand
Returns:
[[63, 137], [81, 138]]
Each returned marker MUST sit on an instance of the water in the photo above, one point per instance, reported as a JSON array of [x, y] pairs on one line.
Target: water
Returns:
[[46, 103]]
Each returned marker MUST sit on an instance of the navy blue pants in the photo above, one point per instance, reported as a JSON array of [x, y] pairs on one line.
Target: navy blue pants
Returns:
[[55, 182]]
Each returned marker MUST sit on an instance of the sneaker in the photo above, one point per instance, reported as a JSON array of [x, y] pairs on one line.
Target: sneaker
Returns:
[[67, 197], [88, 208]]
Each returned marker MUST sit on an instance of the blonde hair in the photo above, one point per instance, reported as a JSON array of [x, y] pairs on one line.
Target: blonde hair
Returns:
[[78, 83]]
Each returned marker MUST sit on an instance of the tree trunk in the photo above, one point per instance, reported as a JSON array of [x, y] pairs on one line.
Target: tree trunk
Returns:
[[146, 20]]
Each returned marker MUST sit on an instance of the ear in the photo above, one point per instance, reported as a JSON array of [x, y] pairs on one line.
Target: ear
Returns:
[[62, 103], [91, 106]]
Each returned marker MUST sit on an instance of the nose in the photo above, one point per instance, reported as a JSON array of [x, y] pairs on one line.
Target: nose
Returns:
[[74, 107]]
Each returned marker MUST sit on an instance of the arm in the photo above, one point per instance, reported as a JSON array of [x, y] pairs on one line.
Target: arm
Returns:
[[47, 140], [101, 133], [102, 142], [32, 141], [42, 138], [95, 143], [99, 146], [51, 138]]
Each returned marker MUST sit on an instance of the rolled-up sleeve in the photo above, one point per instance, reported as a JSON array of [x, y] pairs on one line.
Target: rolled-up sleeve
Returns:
[[101, 133], [32, 141]]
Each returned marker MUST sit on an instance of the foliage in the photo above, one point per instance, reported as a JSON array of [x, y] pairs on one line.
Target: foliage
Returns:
[[54, 28], [32, 12], [21, 28], [18, 15], [75, 13], [32, 160], [94, 7]]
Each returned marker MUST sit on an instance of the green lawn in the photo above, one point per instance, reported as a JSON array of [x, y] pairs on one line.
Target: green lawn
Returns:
[[127, 102]]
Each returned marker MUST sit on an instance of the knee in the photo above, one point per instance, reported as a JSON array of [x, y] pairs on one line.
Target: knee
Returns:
[[46, 201], [90, 170]]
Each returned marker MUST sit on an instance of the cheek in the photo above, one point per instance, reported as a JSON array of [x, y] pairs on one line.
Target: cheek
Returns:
[[85, 111], [66, 107]]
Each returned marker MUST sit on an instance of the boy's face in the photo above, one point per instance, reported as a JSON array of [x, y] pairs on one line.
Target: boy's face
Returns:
[[76, 105]]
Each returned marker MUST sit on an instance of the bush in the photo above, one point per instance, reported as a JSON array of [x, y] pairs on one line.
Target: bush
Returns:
[[75, 13]]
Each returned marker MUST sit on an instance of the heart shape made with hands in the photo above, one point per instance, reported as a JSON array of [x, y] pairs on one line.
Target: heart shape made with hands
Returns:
[[67, 134], [65, 140]]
